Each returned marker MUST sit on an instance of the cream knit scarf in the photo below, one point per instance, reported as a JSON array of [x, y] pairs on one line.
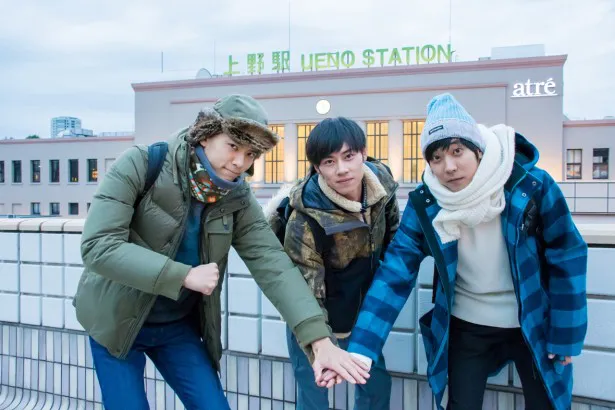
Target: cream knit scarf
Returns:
[[483, 199]]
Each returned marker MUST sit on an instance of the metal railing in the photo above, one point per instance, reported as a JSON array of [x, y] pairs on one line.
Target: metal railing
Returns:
[[587, 197]]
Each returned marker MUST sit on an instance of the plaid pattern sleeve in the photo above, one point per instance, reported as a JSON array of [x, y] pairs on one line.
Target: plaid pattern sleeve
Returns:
[[390, 289], [566, 264]]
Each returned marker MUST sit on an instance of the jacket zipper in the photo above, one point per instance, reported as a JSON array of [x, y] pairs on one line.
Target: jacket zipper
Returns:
[[143, 314]]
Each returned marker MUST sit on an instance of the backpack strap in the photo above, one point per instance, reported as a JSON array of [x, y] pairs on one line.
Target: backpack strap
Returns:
[[156, 154], [324, 243], [387, 216]]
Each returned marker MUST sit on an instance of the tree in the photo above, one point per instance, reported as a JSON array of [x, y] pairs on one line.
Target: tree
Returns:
[[33, 137]]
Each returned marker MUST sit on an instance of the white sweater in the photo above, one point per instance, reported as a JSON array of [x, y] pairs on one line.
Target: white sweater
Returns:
[[484, 291]]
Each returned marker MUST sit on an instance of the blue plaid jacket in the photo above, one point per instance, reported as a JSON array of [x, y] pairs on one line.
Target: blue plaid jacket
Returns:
[[552, 312]]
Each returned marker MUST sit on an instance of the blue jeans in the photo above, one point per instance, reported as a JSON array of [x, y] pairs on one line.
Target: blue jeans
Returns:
[[178, 353], [374, 395]]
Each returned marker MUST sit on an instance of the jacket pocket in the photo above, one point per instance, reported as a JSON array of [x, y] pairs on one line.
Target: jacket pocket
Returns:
[[219, 238]]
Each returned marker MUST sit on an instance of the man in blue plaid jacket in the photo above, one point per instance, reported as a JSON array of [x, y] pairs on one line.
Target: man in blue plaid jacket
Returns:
[[511, 266]]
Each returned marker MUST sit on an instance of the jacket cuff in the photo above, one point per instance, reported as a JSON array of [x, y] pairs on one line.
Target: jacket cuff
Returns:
[[171, 279], [311, 330], [360, 350], [565, 350], [366, 360]]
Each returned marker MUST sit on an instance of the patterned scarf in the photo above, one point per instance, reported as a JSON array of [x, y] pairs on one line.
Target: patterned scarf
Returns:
[[202, 187]]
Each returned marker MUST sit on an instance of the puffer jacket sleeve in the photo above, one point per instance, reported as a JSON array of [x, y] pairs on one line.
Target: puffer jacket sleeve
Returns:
[[566, 265], [105, 248], [277, 276]]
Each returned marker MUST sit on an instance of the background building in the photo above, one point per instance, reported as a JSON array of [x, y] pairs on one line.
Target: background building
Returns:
[[42, 176], [59, 124]]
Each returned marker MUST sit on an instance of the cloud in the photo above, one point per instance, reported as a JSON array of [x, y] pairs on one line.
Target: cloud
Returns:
[[73, 58]]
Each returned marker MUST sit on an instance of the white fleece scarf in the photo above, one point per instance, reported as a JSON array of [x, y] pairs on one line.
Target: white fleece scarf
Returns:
[[483, 199]]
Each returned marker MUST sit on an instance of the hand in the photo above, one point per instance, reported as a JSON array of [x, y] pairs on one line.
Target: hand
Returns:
[[328, 356], [329, 379], [567, 359], [203, 278]]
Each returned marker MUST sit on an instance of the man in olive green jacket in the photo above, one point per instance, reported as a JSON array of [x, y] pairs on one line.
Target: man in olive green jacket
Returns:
[[151, 283]]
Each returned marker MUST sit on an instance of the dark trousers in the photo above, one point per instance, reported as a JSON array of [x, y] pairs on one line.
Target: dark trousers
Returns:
[[178, 353], [476, 351]]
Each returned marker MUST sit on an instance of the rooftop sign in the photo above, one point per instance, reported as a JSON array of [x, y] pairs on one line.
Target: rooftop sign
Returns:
[[280, 61]]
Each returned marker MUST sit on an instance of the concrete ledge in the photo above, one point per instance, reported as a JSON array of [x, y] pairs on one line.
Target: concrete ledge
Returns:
[[594, 234], [598, 234]]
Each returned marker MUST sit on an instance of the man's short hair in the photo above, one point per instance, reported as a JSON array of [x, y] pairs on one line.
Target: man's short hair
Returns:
[[446, 143], [330, 135]]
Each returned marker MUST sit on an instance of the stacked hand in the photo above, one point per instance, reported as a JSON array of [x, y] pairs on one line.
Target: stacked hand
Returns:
[[337, 365]]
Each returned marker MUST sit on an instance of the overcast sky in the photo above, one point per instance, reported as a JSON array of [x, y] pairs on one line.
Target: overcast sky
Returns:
[[76, 58]]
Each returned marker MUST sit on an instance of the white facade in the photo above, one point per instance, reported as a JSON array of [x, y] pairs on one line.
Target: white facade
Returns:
[[525, 93], [48, 187], [59, 124]]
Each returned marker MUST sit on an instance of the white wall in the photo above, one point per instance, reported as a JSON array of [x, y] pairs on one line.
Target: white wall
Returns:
[[485, 92], [587, 138], [103, 149], [40, 266]]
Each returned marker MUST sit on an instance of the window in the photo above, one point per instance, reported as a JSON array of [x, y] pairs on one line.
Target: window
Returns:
[[1, 172], [274, 160], [601, 163], [92, 170], [35, 208], [303, 165], [108, 163], [73, 208], [378, 141], [17, 172], [54, 170], [54, 208], [35, 165], [414, 164], [73, 170], [573, 163]]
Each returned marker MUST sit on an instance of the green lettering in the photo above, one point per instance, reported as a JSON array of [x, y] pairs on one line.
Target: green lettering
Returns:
[[382, 51], [407, 50], [309, 67], [395, 57], [348, 58], [320, 61], [368, 57], [231, 64], [428, 53], [448, 53], [333, 60]]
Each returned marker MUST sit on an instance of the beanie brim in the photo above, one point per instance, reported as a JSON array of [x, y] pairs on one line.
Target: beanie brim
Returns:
[[451, 128]]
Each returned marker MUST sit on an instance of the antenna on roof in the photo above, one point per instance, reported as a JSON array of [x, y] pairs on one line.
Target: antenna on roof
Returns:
[[289, 26], [450, 28]]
